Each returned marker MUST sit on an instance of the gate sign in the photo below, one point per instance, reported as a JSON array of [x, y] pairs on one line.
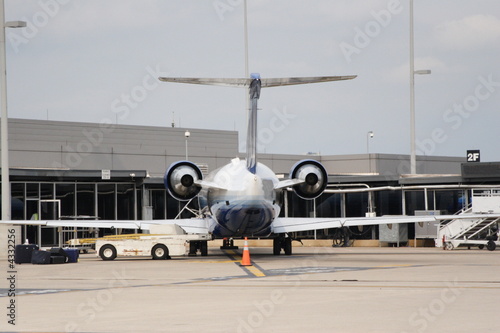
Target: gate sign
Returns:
[[473, 156], [105, 174]]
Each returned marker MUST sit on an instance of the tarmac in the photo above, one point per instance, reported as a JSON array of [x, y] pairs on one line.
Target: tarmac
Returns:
[[317, 289]]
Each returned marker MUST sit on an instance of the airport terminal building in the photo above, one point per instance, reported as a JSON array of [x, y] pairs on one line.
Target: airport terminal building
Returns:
[[69, 170]]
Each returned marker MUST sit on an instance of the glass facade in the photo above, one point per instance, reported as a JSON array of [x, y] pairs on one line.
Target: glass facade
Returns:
[[445, 201], [70, 200], [106, 201], [159, 203], [86, 200], [66, 194], [74, 200], [129, 201]]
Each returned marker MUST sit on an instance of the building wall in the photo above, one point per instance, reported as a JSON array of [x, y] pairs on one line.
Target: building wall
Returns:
[[87, 146], [391, 164], [55, 144]]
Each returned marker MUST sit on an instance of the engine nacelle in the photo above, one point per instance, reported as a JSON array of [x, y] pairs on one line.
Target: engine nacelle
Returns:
[[180, 180], [314, 176]]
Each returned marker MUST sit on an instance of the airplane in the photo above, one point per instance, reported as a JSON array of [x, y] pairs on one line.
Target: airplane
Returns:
[[242, 198]]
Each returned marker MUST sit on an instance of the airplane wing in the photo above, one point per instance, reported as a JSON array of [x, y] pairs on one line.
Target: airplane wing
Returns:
[[192, 226], [78, 223], [280, 224], [293, 224]]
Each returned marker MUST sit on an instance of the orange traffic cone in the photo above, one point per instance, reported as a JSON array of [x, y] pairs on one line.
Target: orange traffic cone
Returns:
[[245, 260]]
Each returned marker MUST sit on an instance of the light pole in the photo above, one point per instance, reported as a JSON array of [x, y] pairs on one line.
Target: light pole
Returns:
[[187, 134], [245, 31], [4, 128], [369, 136], [413, 156]]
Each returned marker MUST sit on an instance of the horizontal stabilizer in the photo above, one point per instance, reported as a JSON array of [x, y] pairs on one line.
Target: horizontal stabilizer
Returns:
[[209, 81], [273, 82], [290, 81]]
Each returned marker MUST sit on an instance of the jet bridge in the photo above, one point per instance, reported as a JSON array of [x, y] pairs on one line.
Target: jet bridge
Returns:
[[475, 231]]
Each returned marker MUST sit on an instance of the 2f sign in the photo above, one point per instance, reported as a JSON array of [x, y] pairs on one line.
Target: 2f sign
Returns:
[[473, 156]]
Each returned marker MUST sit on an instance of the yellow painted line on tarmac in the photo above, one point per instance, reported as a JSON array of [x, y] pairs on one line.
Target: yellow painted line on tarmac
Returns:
[[255, 271], [251, 269], [212, 261]]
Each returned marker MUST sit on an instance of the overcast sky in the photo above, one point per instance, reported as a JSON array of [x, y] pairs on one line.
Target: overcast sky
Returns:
[[98, 60]]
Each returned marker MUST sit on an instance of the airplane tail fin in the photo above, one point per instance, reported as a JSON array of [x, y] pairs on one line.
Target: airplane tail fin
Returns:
[[254, 84]]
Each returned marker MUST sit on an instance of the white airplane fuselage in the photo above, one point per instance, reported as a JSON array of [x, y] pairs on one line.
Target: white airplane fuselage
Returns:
[[243, 203]]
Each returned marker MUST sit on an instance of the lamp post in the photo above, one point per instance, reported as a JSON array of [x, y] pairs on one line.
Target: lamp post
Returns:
[[413, 156], [369, 136], [245, 31], [4, 128], [187, 134]]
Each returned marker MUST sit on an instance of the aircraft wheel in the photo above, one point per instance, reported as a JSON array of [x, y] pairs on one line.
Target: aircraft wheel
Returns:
[[491, 246], [204, 248], [192, 248], [159, 252], [481, 246], [288, 246], [448, 246], [277, 246], [107, 252]]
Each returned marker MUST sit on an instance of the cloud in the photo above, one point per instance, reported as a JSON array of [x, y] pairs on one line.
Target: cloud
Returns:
[[295, 14], [472, 32]]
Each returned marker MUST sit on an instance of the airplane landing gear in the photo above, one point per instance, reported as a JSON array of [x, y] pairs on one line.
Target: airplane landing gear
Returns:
[[282, 243], [228, 244], [202, 246]]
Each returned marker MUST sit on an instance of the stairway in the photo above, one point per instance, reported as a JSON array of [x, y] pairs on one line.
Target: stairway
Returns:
[[458, 232]]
